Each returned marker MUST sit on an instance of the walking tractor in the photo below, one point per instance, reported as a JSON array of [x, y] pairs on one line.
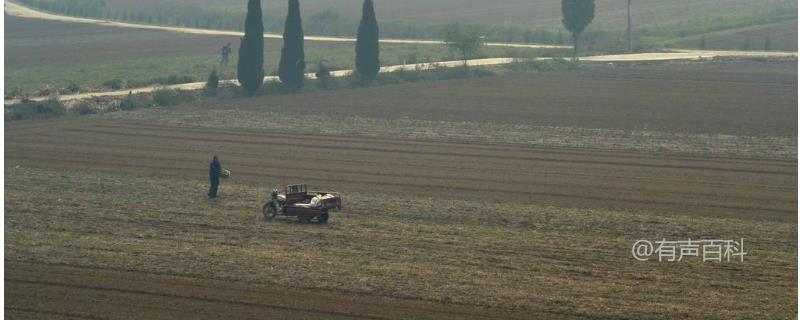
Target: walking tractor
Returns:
[[297, 201]]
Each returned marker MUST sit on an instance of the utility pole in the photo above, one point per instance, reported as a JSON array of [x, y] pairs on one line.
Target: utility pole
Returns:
[[630, 28]]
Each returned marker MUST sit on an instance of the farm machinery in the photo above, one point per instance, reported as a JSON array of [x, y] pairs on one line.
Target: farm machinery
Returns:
[[297, 201]]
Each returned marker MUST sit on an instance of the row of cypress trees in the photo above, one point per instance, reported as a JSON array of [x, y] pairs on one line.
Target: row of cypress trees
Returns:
[[291, 68]]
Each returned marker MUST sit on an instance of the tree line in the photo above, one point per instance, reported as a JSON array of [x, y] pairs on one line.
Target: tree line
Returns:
[[577, 15], [291, 69]]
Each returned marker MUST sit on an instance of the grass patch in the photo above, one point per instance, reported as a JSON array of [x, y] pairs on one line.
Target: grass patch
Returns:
[[170, 97], [48, 108], [140, 72], [136, 101], [530, 65], [53, 107]]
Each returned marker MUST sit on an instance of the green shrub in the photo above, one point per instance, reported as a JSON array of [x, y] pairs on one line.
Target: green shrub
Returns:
[[85, 107], [114, 84], [229, 91], [13, 93], [330, 83], [136, 101], [133, 84], [171, 79], [276, 87], [322, 71], [171, 97], [213, 80], [174, 79], [437, 73], [542, 65], [36, 109], [73, 87], [51, 106]]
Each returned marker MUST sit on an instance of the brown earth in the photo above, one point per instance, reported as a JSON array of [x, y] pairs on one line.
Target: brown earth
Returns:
[[106, 217], [742, 98], [566, 178], [89, 235], [36, 291]]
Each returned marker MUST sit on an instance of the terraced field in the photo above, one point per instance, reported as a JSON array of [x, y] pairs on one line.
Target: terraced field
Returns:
[[106, 216]]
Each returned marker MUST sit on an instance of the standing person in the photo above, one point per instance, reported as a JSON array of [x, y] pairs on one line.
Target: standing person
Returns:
[[226, 51], [214, 171]]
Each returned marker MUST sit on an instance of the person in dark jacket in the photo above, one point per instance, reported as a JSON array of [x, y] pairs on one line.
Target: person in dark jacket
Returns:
[[214, 171]]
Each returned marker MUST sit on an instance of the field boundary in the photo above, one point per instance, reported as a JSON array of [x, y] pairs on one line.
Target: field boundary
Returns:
[[631, 57]]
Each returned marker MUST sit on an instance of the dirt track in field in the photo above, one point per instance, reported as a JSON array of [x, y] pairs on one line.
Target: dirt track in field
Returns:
[[36, 291], [757, 189]]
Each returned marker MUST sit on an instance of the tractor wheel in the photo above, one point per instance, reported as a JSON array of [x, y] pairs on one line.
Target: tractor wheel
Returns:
[[269, 211], [323, 218]]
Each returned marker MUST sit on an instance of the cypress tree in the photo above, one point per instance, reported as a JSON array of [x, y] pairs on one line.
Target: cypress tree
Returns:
[[367, 46], [251, 52], [577, 15], [292, 65]]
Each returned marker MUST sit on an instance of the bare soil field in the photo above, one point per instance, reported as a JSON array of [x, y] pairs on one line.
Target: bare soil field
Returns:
[[106, 216], [736, 98], [553, 177], [39, 290], [426, 223]]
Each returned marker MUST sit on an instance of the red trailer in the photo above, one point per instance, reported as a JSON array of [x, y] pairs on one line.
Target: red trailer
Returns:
[[297, 201]]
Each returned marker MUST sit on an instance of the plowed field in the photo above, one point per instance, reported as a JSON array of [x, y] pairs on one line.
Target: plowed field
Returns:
[[106, 216], [590, 179]]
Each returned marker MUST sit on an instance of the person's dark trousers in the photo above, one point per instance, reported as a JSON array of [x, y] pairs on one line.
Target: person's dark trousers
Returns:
[[212, 193]]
